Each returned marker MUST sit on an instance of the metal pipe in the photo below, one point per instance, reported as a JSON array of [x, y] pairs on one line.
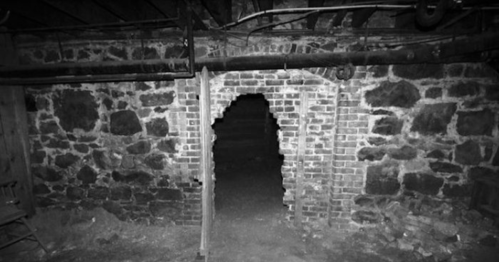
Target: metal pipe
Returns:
[[466, 50]]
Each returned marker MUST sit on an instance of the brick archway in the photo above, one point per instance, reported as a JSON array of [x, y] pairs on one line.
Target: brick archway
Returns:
[[282, 91]]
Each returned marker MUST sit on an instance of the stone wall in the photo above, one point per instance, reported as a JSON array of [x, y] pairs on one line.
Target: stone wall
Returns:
[[432, 131], [389, 132]]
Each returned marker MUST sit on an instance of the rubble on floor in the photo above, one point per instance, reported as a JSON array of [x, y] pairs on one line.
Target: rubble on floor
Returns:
[[428, 227]]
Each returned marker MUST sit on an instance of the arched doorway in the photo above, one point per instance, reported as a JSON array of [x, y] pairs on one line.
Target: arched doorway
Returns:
[[247, 160]]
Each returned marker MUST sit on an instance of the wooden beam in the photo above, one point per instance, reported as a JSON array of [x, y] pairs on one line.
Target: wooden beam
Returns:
[[221, 11], [14, 142], [312, 19], [206, 161], [86, 11], [38, 11]]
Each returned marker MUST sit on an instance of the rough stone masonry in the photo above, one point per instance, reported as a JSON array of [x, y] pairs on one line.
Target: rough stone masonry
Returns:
[[133, 147]]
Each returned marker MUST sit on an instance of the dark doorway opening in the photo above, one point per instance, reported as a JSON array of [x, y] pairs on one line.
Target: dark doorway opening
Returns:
[[247, 160]]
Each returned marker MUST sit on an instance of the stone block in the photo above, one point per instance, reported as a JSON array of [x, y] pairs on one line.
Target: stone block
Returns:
[[75, 193], [87, 175], [444, 167], [438, 154], [64, 161], [75, 109], [136, 177], [121, 193], [433, 119], [155, 161], [82, 148], [376, 141], [143, 198], [371, 153], [366, 217], [400, 94], [145, 53], [423, 183], [404, 153], [115, 52], [157, 127], [475, 123], [98, 193], [157, 99], [388, 126], [113, 208], [125, 123], [50, 127], [141, 147], [167, 145], [47, 174], [468, 153], [434, 92], [456, 190], [419, 71], [461, 89], [175, 51], [382, 179]]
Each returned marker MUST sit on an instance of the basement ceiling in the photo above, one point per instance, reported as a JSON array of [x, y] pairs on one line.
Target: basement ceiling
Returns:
[[73, 17]]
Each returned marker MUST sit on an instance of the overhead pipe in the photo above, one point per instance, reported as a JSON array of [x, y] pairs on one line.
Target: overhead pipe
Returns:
[[471, 49]]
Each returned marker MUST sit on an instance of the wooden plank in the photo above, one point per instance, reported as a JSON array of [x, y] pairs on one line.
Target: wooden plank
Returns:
[[300, 157], [206, 163], [14, 143]]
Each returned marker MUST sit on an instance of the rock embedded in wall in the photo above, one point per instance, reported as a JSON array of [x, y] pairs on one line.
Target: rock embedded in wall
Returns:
[[75, 109], [41, 189], [157, 127], [388, 126], [50, 127], [404, 153], [433, 92], [140, 178], [157, 99], [121, 193], [383, 179], [47, 174], [98, 193], [456, 190], [468, 153], [419, 71], [144, 53], [75, 193], [399, 94], [475, 123], [167, 146], [66, 160], [155, 161], [142, 86], [125, 123], [461, 89], [433, 119], [371, 153], [423, 183], [140, 147], [87, 175], [444, 167]]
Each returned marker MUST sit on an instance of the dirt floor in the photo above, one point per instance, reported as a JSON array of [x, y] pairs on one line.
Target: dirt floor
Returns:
[[249, 226]]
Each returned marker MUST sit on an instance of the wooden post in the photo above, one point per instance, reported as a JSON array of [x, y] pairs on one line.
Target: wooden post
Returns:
[[300, 157], [14, 143], [206, 163]]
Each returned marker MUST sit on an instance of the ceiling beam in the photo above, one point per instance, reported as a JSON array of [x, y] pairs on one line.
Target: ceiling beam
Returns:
[[40, 12], [312, 19], [221, 10], [86, 11]]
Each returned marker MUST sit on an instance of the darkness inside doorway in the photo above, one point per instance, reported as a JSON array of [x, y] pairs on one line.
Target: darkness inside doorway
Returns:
[[247, 160]]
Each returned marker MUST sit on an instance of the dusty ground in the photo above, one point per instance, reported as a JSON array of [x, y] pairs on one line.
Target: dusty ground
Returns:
[[249, 226]]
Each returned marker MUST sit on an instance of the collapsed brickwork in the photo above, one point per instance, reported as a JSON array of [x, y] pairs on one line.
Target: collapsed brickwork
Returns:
[[134, 149]]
